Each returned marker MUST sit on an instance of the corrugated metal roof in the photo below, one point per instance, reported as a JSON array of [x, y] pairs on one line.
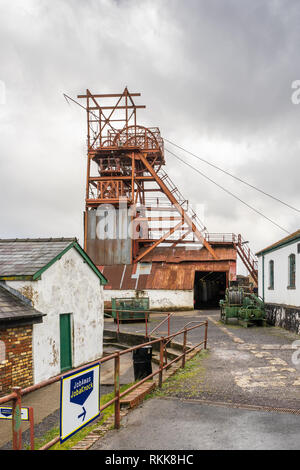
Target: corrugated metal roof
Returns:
[[13, 307], [25, 257]]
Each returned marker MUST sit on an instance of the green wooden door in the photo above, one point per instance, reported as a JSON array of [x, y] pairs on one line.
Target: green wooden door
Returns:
[[65, 342]]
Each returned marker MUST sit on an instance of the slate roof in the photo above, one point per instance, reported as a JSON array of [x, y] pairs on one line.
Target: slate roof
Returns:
[[14, 307], [284, 241], [28, 258], [25, 257]]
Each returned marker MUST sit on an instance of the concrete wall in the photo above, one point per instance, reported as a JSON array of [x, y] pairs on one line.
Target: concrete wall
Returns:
[[159, 299], [284, 316], [68, 286], [281, 294]]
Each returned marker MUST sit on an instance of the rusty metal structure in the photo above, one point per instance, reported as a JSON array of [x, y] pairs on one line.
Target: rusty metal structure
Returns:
[[154, 237]]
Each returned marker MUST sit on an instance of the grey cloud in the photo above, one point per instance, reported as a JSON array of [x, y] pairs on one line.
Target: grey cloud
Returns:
[[215, 76]]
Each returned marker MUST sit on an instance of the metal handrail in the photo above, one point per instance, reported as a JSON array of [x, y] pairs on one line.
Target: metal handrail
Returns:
[[147, 313], [184, 328], [162, 322], [18, 392]]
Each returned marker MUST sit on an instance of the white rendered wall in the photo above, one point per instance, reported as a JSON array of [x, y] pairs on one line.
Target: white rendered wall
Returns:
[[68, 286], [280, 294], [159, 299]]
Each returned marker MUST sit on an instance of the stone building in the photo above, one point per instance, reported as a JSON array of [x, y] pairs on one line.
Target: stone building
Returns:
[[61, 282]]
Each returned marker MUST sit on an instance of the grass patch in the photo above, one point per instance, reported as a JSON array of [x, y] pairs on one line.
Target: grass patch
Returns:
[[72, 441], [185, 380]]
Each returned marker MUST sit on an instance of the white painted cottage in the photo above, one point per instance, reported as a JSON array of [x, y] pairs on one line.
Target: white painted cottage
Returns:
[[279, 281], [62, 282]]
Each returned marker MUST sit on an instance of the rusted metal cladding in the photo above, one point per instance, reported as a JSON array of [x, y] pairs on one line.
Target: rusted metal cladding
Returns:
[[171, 269], [162, 276], [182, 254], [108, 242]]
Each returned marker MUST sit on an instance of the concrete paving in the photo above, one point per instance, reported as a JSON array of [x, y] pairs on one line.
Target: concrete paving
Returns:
[[183, 425], [245, 365]]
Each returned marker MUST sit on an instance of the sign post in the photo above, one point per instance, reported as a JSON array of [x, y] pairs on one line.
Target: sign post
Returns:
[[79, 400], [26, 414]]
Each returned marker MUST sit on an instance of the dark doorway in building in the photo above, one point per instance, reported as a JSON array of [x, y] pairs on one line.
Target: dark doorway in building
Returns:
[[209, 288]]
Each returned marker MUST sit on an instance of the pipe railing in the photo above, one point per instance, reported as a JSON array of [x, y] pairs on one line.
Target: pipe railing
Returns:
[[16, 396], [147, 315], [168, 318], [184, 329]]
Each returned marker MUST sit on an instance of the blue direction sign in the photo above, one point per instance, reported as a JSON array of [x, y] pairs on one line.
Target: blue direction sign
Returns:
[[6, 413], [80, 400]]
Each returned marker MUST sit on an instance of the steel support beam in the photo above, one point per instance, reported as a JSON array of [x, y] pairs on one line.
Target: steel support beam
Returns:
[[173, 200]]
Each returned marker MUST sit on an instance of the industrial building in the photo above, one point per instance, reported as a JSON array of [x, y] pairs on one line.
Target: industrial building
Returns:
[[138, 228]]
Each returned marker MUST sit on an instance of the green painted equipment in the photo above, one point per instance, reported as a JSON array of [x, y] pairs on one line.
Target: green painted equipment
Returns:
[[245, 306], [130, 309]]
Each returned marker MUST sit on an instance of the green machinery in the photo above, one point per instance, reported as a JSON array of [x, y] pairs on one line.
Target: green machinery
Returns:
[[130, 309], [245, 306]]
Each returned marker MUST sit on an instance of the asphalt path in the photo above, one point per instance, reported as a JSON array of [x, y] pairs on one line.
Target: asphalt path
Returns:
[[161, 424]]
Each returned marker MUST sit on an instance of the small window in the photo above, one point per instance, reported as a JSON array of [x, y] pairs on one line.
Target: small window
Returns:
[[271, 274], [292, 271]]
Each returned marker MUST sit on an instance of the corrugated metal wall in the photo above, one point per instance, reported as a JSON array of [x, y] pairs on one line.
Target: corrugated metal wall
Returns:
[[108, 244]]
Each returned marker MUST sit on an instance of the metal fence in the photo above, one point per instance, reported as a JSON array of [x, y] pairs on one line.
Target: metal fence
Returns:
[[161, 343], [115, 314]]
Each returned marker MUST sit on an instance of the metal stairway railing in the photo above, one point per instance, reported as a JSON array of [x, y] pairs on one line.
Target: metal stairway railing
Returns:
[[244, 252], [182, 200], [247, 257]]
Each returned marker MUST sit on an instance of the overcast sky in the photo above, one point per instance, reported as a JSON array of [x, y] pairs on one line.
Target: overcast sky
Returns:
[[216, 77]]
